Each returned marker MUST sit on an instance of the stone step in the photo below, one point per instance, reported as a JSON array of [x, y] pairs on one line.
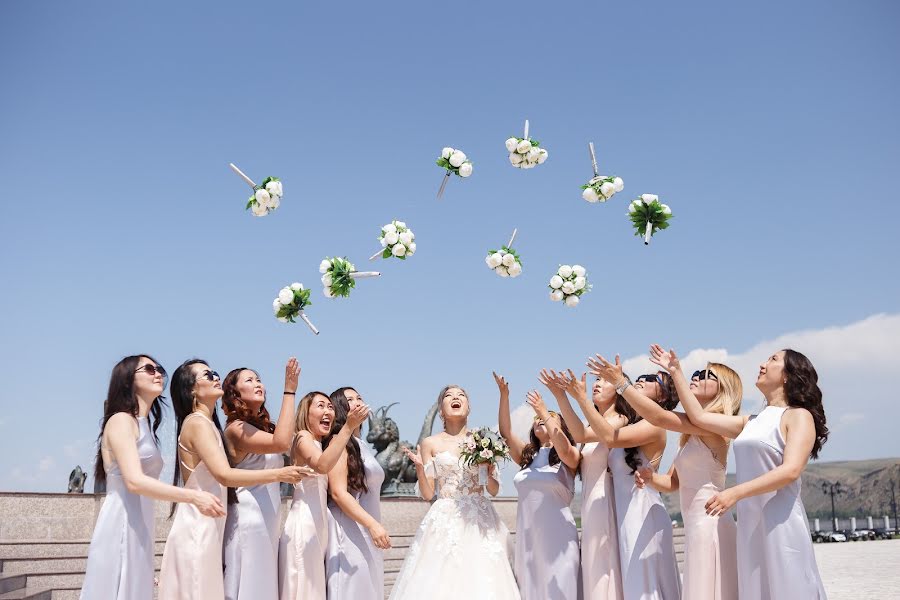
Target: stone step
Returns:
[[45, 549], [41, 581], [13, 566]]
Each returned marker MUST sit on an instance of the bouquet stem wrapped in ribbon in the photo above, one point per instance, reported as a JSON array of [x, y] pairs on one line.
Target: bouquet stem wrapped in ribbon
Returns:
[[525, 153], [505, 262], [289, 304], [483, 447], [266, 197], [339, 276], [648, 216], [455, 162], [600, 188]]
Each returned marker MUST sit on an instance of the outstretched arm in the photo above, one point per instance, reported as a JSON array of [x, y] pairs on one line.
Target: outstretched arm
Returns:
[[800, 436], [515, 444], [421, 457], [728, 426], [556, 383], [248, 439], [629, 436], [322, 461], [568, 454]]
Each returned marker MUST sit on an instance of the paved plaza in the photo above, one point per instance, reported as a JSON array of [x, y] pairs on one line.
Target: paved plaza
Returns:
[[869, 570]]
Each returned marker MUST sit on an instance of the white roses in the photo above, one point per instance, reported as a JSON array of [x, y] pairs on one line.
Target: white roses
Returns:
[[568, 284], [266, 197], [525, 153], [455, 161], [504, 262], [648, 216], [396, 240], [601, 188], [289, 304]]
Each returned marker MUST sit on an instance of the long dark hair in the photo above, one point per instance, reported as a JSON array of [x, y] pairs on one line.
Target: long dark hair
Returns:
[[182, 390], [120, 397], [801, 388], [356, 473], [236, 409], [534, 444], [668, 401]]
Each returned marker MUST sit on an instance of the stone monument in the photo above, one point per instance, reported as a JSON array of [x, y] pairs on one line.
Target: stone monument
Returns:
[[384, 435]]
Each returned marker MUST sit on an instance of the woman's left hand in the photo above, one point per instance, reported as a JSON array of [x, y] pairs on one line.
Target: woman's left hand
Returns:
[[534, 400], [721, 502]]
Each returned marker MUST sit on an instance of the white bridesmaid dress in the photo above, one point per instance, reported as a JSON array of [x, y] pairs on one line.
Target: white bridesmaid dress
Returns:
[[251, 535], [547, 557], [600, 572], [646, 547], [775, 555], [354, 566], [120, 557]]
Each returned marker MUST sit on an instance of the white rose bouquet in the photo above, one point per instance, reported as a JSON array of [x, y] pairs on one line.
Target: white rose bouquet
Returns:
[[525, 153], [266, 197], [397, 240], [505, 262], [339, 276], [568, 285], [601, 187], [456, 162], [482, 447], [648, 216], [289, 304]]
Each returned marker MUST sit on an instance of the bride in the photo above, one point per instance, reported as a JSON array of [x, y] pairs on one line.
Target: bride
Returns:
[[460, 547]]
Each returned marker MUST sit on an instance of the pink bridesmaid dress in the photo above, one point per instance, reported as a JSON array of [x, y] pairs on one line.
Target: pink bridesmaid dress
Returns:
[[601, 575], [710, 543], [192, 561]]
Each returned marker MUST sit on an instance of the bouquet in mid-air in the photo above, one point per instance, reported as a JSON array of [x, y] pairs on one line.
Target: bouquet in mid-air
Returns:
[[648, 216], [505, 262], [600, 188], [266, 197], [483, 447], [289, 304], [456, 162], [569, 284], [524, 152], [397, 240], [339, 276]]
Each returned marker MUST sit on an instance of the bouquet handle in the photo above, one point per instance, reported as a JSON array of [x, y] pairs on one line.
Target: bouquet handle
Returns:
[[377, 254], [443, 185], [242, 175], [482, 474], [309, 324], [509, 245], [593, 159], [526, 129], [364, 274], [648, 230]]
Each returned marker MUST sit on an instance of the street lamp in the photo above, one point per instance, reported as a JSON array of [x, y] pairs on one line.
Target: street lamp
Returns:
[[832, 489]]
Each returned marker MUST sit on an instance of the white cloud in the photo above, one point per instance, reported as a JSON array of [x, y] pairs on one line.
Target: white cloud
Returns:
[[46, 463]]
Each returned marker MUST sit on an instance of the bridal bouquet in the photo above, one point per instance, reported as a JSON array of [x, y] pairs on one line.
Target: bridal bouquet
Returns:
[[483, 447], [525, 153], [266, 197], [648, 216], [601, 188], [289, 304], [339, 276], [397, 240], [569, 283], [455, 162], [505, 262]]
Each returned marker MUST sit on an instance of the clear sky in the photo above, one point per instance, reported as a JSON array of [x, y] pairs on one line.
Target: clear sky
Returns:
[[770, 128]]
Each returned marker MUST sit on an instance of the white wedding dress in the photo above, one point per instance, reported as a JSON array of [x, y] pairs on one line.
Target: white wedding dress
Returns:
[[460, 548]]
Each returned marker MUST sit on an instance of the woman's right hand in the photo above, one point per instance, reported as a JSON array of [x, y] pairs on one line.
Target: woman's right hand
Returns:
[[577, 388], [380, 536], [292, 475], [208, 505], [667, 360], [553, 380], [502, 385], [643, 476], [357, 416], [415, 457], [291, 375]]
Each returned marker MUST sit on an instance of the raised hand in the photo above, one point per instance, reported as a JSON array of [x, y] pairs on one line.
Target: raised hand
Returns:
[[667, 360], [605, 370], [357, 415], [534, 400], [577, 388], [553, 380], [291, 375], [415, 457], [502, 384]]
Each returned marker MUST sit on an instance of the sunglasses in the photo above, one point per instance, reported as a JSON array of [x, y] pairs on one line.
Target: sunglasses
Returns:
[[549, 412], [210, 375], [151, 370], [650, 379], [704, 374]]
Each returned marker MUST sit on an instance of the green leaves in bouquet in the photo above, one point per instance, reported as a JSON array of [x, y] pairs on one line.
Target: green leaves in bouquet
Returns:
[[341, 282], [653, 213], [301, 301]]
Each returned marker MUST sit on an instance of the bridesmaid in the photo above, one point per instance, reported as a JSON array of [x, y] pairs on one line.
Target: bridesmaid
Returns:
[[355, 563], [646, 547], [192, 561], [600, 572], [254, 442], [547, 558], [302, 548], [698, 472], [120, 557], [775, 555]]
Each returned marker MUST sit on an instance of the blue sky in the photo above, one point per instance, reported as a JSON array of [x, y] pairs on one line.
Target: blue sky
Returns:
[[771, 130]]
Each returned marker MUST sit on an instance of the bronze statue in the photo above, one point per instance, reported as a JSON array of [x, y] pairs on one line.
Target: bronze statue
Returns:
[[76, 480], [384, 435]]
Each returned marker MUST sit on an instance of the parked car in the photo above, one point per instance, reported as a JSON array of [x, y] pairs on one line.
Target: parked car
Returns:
[[834, 536], [862, 535], [881, 533]]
